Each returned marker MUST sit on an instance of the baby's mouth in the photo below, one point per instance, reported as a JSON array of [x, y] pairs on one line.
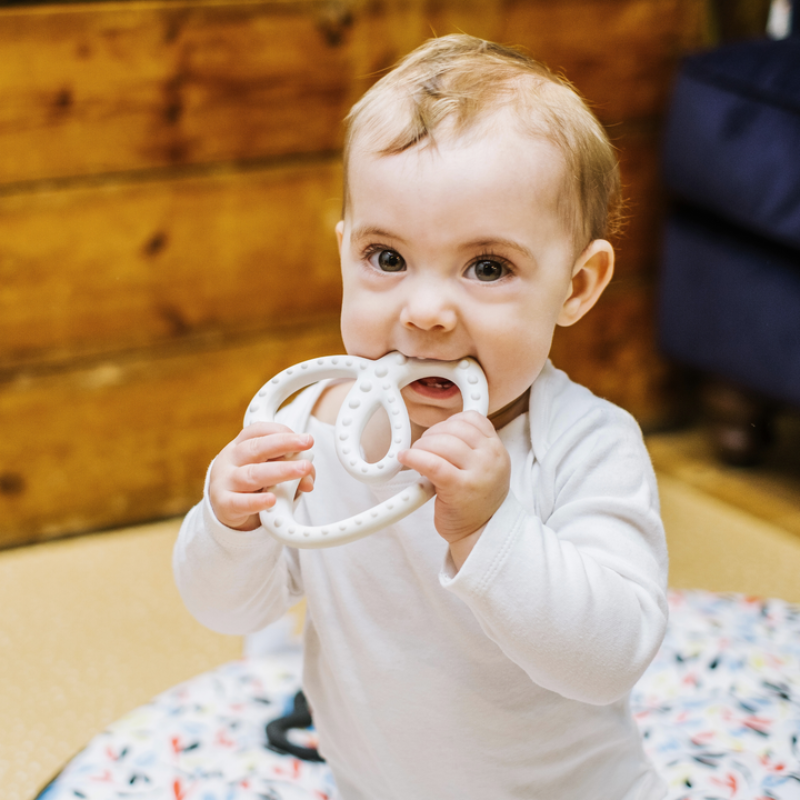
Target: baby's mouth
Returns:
[[438, 384], [435, 387]]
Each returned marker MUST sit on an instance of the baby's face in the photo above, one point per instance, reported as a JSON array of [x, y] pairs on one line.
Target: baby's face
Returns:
[[456, 251]]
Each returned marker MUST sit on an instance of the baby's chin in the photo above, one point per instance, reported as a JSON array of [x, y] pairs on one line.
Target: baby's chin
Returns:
[[422, 422], [425, 416]]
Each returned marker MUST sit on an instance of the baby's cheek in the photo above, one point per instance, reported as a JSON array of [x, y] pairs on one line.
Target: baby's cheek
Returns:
[[354, 328], [510, 383], [362, 338]]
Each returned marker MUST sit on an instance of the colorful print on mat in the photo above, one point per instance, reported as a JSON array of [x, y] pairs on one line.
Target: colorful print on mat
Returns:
[[202, 740], [719, 708], [719, 712]]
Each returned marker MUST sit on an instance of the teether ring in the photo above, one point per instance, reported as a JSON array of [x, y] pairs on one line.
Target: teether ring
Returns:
[[377, 383]]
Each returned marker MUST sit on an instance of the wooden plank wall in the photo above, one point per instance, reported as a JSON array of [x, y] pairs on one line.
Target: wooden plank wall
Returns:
[[169, 183]]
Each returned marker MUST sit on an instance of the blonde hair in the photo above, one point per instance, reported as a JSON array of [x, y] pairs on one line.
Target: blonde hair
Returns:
[[462, 81]]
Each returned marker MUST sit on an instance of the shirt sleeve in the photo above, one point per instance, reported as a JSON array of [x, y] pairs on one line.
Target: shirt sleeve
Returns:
[[577, 599], [234, 582], [238, 582]]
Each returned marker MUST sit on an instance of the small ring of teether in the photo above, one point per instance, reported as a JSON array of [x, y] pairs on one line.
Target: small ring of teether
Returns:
[[377, 384]]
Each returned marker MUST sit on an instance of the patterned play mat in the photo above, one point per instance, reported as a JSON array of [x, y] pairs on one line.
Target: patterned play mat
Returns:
[[719, 710]]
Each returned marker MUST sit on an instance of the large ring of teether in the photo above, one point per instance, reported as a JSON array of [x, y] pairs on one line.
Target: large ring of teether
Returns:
[[377, 384]]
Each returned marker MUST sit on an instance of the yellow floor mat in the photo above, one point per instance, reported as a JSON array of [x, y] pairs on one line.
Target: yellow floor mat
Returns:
[[92, 627], [89, 628]]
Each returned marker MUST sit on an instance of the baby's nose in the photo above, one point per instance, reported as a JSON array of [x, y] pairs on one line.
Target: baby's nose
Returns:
[[429, 308]]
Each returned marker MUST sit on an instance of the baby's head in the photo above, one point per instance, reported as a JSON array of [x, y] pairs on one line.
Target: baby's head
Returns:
[[479, 190], [457, 85]]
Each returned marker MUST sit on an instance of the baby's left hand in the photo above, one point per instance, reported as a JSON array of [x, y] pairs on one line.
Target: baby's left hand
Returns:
[[470, 467]]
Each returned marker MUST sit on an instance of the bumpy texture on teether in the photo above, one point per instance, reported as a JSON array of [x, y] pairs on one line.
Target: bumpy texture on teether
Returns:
[[377, 383]]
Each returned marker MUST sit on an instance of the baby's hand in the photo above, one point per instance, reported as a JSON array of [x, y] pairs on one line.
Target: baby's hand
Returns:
[[252, 463], [470, 467]]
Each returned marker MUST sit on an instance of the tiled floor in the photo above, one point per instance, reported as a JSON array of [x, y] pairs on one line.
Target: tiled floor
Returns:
[[92, 627]]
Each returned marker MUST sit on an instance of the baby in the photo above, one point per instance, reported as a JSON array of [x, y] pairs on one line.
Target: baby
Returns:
[[485, 646]]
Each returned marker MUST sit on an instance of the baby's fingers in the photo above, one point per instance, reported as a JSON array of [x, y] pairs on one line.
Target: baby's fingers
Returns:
[[255, 477], [278, 444], [248, 504], [307, 482], [244, 506], [430, 465], [452, 449]]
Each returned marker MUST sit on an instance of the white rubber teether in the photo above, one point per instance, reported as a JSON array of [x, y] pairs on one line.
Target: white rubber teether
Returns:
[[377, 383]]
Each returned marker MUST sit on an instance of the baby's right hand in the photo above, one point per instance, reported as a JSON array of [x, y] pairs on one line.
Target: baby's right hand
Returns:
[[251, 464]]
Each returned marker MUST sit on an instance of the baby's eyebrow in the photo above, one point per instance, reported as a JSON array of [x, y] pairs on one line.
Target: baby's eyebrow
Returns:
[[490, 244], [372, 232]]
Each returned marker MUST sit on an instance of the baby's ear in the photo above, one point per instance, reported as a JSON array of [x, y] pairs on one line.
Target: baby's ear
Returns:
[[591, 273], [340, 233]]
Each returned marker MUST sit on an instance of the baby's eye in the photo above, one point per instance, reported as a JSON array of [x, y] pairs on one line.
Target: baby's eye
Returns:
[[388, 261], [487, 269]]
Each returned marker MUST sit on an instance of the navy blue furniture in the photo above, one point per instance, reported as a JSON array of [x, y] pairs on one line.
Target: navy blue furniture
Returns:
[[730, 272]]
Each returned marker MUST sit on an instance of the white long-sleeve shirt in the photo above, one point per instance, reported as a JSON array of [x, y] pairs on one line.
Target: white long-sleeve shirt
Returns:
[[509, 679]]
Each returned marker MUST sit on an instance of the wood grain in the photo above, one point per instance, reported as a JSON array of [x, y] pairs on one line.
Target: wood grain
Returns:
[[99, 269], [169, 183], [638, 245], [91, 270], [109, 87], [620, 54], [129, 439]]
